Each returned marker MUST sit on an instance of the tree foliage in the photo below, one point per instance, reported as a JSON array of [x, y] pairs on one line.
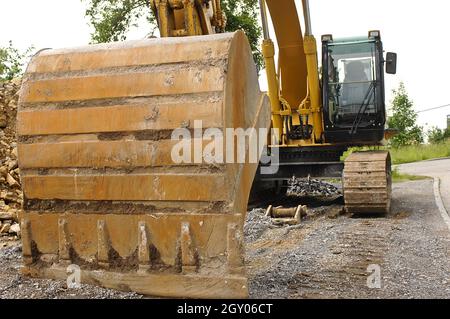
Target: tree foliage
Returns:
[[404, 119], [12, 61], [436, 135], [243, 15], [112, 19]]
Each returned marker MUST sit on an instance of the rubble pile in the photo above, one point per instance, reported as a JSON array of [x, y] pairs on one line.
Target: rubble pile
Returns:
[[309, 187], [256, 224], [11, 196]]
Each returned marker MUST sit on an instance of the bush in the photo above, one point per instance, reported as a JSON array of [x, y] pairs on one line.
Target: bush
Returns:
[[409, 154], [415, 153], [404, 119], [436, 135], [12, 62]]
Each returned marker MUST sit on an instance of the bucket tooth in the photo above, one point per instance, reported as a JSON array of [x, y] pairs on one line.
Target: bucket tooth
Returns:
[[63, 242], [104, 247], [189, 256], [144, 247], [27, 244], [235, 256]]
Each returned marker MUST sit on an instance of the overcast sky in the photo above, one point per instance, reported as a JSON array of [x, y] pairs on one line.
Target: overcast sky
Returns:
[[416, 30]]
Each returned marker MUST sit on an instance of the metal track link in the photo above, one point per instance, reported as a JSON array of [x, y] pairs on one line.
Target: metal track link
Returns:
[[367, 182]]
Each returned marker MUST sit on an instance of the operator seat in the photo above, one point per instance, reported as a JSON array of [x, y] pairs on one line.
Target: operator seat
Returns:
[[356, 85]]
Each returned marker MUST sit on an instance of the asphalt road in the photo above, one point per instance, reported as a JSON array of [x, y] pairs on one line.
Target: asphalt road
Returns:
[[436, 169]]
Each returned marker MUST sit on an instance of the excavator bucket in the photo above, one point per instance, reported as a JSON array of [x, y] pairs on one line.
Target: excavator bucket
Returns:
[[103, 197]]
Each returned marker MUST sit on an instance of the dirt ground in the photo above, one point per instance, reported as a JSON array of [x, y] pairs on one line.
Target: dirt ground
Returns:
[[329, 257], [326, 257]]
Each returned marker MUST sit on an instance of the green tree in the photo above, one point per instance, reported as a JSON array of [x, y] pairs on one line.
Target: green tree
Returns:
[[404, 119], [12, 61], [112, 19], [436, 135], [244, 15]]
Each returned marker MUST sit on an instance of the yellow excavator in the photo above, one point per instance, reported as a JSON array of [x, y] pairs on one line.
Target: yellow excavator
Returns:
[[102, 190]]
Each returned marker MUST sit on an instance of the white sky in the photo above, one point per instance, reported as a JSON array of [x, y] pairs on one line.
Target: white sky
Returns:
[[417, 30]]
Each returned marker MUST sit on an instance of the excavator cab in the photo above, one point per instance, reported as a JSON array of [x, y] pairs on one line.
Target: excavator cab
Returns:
[[353, 88]]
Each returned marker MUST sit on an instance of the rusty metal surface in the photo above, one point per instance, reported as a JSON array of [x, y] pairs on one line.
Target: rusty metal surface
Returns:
[[367, 182], [101, 189], [281, 215]]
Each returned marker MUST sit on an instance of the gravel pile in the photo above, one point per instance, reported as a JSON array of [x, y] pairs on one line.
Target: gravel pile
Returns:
[[311, 187], [256, 224], [11, 197], [11, 253]]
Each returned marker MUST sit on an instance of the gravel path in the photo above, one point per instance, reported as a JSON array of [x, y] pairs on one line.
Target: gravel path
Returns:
[[13, 285], [327, 257]]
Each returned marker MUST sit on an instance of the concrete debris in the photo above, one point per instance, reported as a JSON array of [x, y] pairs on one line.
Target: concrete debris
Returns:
[[11, 197], [9, 228], [14, 229], [12, 165], [9, 215], [11, 181], [5, 228], [3, 121]]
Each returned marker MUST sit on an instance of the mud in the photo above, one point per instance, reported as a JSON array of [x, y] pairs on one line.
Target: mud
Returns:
[[108, 207]]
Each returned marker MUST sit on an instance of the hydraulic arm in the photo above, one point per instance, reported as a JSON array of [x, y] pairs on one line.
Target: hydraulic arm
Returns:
[[294, 90]]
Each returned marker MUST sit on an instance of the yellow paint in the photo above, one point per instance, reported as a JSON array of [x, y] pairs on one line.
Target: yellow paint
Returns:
[[314, 88], [268, 50], [298, 74], [177, 18]]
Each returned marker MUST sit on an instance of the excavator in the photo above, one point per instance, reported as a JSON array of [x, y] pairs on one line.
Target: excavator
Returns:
[[105, 202]]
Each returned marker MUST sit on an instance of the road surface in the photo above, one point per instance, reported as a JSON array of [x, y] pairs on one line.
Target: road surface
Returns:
[[334, 257], [437, 169]]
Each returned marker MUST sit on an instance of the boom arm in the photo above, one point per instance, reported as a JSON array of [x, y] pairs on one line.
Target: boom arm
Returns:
[[188, 17], [295, 91]]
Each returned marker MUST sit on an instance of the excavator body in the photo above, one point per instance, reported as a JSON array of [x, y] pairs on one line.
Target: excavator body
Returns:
[[320, 113], [106, 196]]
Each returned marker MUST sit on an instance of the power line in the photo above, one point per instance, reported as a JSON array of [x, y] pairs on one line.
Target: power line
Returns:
[[433, 108]]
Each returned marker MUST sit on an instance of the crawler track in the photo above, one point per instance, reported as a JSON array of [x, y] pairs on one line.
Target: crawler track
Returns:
[[367, 182]]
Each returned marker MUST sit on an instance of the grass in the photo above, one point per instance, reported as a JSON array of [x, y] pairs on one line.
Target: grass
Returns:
[[398, 177], [418, 153], [410, 154]]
